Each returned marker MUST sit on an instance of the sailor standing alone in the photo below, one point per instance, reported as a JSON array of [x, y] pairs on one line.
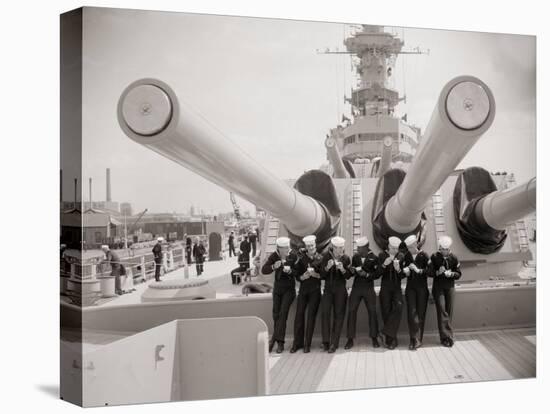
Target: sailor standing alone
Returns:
[[364, 267], [283, 262], [445, 270], [391, 296], [415, 267], [335, 272]]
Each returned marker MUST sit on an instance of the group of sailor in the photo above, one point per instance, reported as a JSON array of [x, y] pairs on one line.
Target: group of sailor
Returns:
[[401, 260]]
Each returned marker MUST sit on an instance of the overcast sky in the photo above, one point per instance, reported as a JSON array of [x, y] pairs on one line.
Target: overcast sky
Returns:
[[262, 83]]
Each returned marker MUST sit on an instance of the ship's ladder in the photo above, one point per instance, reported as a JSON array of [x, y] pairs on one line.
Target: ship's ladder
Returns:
[[356, 210], [439, 217], [522, 240], [272, 232]]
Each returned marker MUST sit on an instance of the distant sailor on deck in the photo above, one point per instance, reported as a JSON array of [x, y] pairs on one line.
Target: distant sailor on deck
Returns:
[[188, 249], [335, 272], [283, 262], [231, 244], [116, 267], [391, 296], [445, 269], [309, 295], [157, 256], [244, 247], [199, 251], [415, 267], [252, 237], [364, 267]]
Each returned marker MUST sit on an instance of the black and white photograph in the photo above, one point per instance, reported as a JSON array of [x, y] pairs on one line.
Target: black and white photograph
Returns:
[[260, 206]]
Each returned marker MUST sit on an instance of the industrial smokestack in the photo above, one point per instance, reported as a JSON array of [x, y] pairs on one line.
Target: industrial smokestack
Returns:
[[90, 193], [75, 191], [108, 186]]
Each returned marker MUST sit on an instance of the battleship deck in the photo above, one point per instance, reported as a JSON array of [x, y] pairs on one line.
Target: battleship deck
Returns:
[[476, 356]]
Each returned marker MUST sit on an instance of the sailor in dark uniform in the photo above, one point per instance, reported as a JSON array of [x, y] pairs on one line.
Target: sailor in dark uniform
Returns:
[[283, 262], [244, 247], [445, 269], [415, 267], [334, 271], [157, 256], [391, 296], [199, 251], [364, 268], [309, 295]]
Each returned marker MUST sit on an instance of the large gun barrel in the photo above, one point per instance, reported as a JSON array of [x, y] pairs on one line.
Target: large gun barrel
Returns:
[[335, 159], [150, 113], [464, 111], [385, 162], [500, 208]]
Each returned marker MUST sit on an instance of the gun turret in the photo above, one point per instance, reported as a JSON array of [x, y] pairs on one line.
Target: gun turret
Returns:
[[150, 113], [464, 111], [483, 213]]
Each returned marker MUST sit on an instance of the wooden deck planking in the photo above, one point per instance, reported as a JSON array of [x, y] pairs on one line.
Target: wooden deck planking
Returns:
[[493, 369], [290, 383], [528, 350], [381, 380], [427, 365], [502, 354], [410, 371], [416, 365], [524, 365], [465, 362], [400, 373], [478, 356], [369, 377]]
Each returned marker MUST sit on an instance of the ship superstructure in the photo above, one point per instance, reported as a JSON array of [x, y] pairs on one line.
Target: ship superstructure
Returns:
[[356, 147]]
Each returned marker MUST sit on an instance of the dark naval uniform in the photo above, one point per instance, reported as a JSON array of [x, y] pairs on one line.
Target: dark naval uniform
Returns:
[[334, 298], [157, 255], [199, 251], [363, 290], [284, 291], [443, 291], [416, 294], [309, 297], [391, 296]]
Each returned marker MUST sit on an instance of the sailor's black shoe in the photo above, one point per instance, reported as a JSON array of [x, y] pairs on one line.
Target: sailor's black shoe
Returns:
[[280, 347], [306, 349], [412, 345], [294, 348], [271, 344], [325, 346], [332, 349], [375, 343], [349, 344]]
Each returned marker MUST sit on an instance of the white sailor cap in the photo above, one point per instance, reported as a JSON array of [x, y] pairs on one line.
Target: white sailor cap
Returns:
[[445, 242], [309, 239], [160, 238], [394, 241], [412, 239], [283, 242], [338, 241], [363, 241], [104, 247]]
